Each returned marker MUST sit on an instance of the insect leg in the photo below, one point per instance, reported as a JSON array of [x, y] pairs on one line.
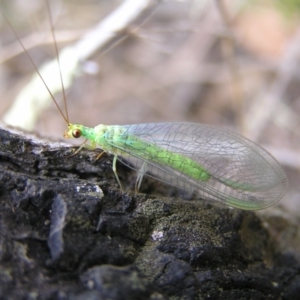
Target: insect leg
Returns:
[[114, 167], [139, 179], [83, 145], [99, 155]]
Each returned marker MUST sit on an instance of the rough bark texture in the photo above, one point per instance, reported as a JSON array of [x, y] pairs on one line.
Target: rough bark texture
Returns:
[[67, 232]]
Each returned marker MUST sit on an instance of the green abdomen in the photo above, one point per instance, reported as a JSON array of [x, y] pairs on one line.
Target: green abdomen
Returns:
[[162, 156]]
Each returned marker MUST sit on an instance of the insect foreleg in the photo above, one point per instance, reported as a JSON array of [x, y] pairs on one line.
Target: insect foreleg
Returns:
[[84, 145]]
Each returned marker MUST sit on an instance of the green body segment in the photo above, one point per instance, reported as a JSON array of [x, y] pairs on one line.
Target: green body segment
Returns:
[[162, 156]]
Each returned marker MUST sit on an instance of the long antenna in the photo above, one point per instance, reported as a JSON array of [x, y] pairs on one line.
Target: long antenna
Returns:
[[58, 61], [35, 67]]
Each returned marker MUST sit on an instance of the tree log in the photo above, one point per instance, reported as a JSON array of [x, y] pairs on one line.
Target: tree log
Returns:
[[67, 232]]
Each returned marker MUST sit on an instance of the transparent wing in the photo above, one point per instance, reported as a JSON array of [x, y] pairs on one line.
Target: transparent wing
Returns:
[[242, 174]]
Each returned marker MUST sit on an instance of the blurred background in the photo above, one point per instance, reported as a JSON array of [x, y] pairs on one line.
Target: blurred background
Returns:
[[232, 64]]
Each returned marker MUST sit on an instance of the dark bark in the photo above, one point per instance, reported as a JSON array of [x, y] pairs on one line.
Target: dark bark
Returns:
[[67, 232]]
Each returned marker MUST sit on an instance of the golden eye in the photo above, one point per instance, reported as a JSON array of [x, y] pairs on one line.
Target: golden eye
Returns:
[[76, 133]]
